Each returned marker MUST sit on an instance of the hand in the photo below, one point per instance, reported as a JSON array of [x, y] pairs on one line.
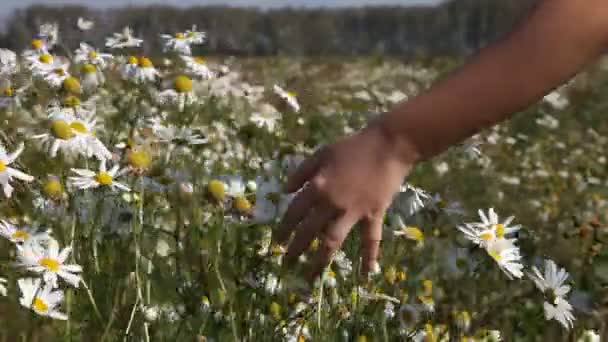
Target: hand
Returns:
[[352, 180]]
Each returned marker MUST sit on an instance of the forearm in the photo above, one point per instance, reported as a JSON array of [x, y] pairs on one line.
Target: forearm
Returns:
[[554, 43]]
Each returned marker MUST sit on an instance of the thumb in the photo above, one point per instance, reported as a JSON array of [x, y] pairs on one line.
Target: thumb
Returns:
[[306, 171]]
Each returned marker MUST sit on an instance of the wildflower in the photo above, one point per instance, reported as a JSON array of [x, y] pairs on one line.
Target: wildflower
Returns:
[[49, 32], [8, 173], [139, 160], [270, 201], [267, 116], [507, 256], [180, 95], [17, 234], [197, 66], [176, 135], [8, 62], [275, 310], [490, 228], [86, 54], [75, 135], [551, 283], [91, 77], [41, 299], [410, 200], [123, 40], [556, 100], [288, 97], [409, 232], [426, 297], [50, 263], [139, 70], [84, 25], [87, 179], [589, 336]]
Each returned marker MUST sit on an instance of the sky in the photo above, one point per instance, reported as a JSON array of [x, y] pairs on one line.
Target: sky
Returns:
[[7, 6]]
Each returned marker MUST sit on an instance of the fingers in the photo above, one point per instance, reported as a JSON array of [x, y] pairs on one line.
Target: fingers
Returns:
[[371, 236], [333, 238], [297, 210], [307, 230], [304, 173]]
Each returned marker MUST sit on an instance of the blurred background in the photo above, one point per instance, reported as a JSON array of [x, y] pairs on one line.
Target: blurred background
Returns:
[[411, 28]]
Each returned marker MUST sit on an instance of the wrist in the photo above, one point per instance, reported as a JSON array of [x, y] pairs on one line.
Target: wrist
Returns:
[[397, 142]]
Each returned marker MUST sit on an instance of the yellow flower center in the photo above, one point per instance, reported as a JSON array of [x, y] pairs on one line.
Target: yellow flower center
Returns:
[[92, 54], [182, 84], [199, 60], [51, 264], [292, 94], [103, 178], [331, 274], [500, 230], [180, 35], [242, 204], [2, 166], [37, 44], [190, 34], [71, 85], [486, 236], [45, 58], [217, 189], [401, 276], [78, 127], [40, 305], [53, 189], [301, 338], [8, 91], [495, 255], [390, 275], [59, 72], [71, 101], [144, 62], [139, 159], [275, 310], [132, 60], [61, 130], [19, 235], [428, 287], [89, 69], [362, 338], [414, 233]]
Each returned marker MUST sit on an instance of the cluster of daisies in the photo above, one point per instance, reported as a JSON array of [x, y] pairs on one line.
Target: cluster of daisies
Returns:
[[159, 106]]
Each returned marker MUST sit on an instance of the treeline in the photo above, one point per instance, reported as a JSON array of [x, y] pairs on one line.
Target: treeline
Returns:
[[455, 28]]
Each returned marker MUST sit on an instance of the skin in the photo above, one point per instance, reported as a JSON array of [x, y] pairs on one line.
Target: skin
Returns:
[[355, 179]]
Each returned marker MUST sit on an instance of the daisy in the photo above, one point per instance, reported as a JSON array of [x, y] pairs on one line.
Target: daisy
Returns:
[[551, 283], [180, 95], [87, 179], [410, 200], [8, 62], [19, 234], [49, 32], [89, 55], [288, 97], [270, 201], [197, 66], [50, 263], [590, 336], [179, 43], [507, 256], [123, 40], [73, 134], [176, 135], [42, 300], [37, 48], [92, 77], [40, 64], [139, 70], [409, 232], [8, 173], [490, 228], [84, 25], [267, 116]]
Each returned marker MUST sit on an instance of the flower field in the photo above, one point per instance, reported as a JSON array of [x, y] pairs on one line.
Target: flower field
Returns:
[[140, 194]]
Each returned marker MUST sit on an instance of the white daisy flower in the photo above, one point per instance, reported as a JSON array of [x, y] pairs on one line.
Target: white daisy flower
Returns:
[[409, 232], [56, 73], [139, 70], [17, 234], [8, 173], [288, 97], [197, 66], [556, 100], [123, 40], [270, 201], [234, 186], [40, 64], [73, 134], [179, 43], [37, 48], [87, 54], [49, 32], [50, 263], [8, 62], [87, 179], [410, 200], [590, 336], [490, 228], [92, 77], [84, 25], [42, 300], [180, 94], [551, 283], [507, 256], [176, 135], [267, 116]]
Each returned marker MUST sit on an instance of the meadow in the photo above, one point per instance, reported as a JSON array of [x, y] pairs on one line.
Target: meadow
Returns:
[[139, 196]]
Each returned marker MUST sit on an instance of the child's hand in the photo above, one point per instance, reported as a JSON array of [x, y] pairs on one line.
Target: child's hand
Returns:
[[352, 180]]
